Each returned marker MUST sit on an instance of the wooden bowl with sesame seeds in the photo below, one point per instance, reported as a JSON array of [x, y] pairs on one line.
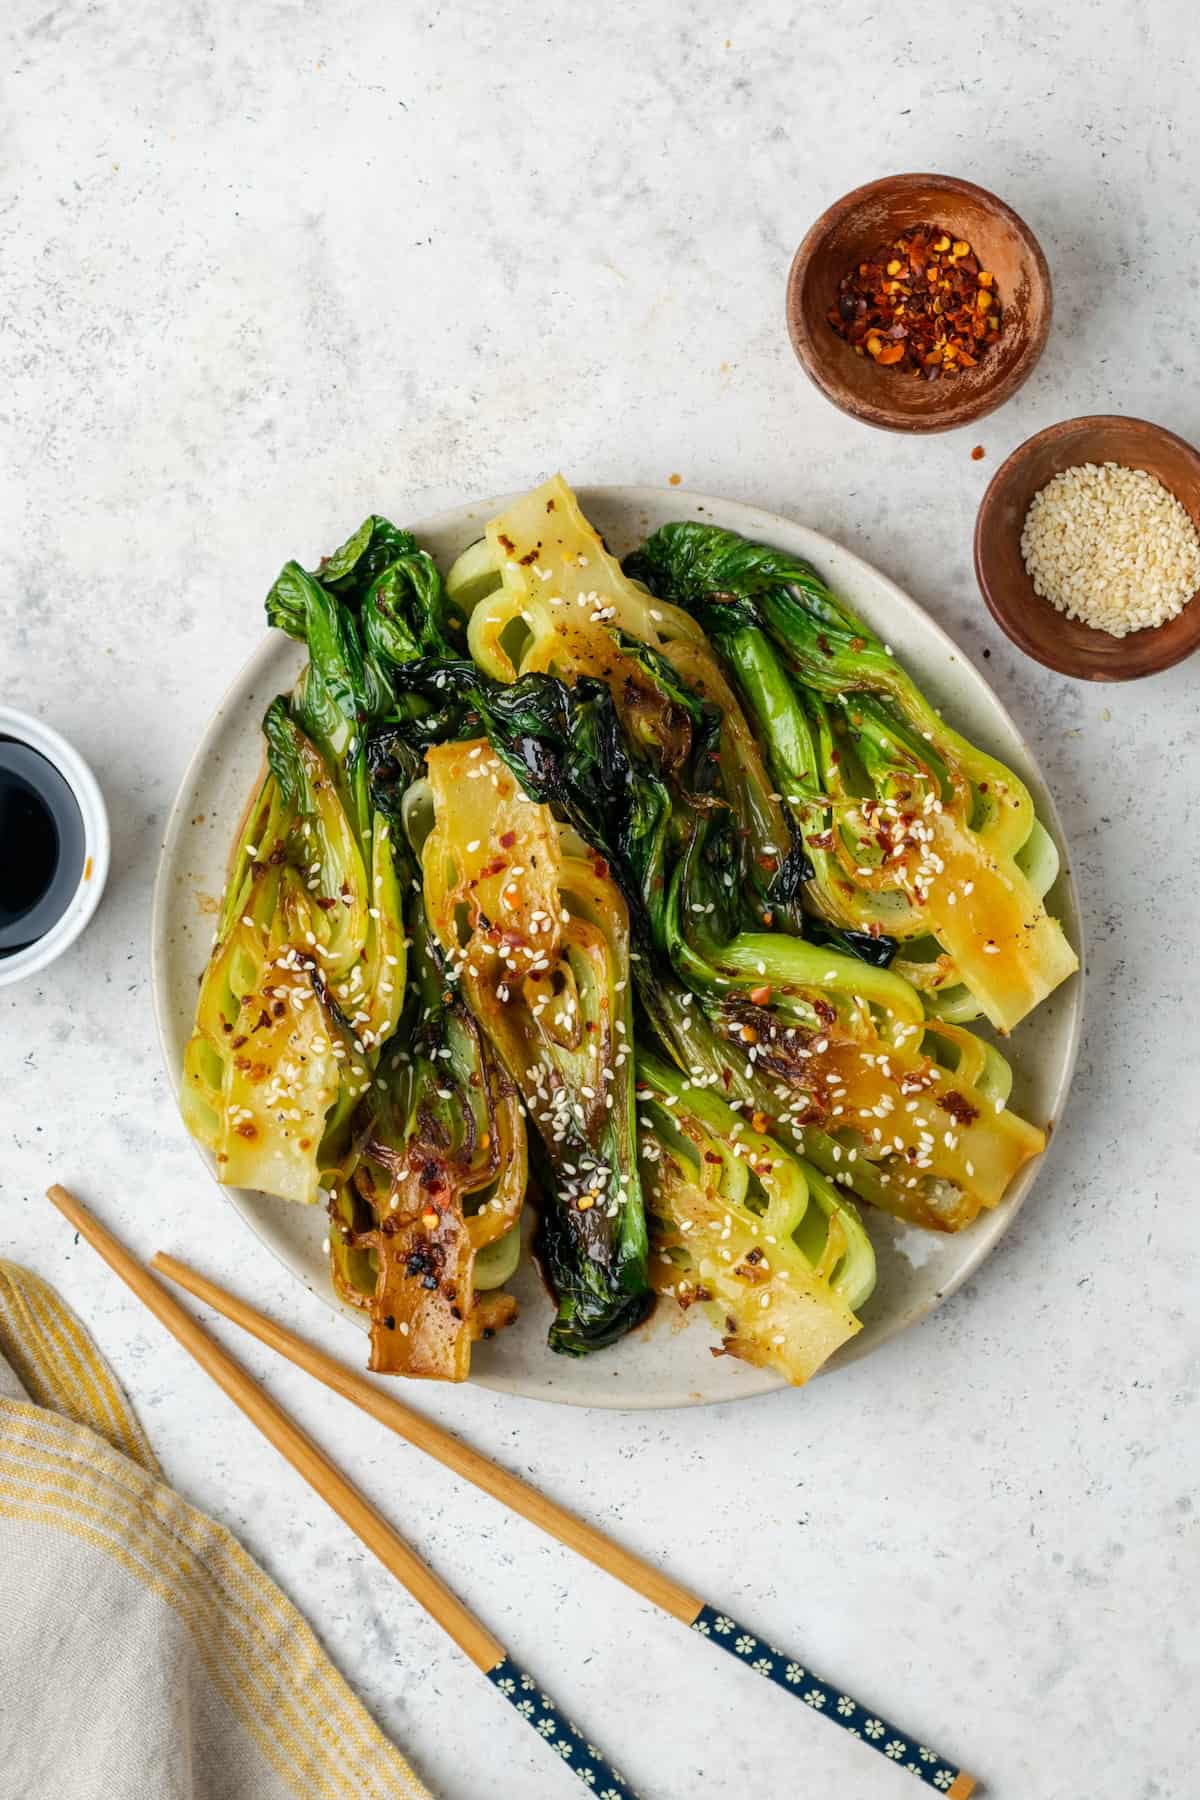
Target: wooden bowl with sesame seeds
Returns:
[[1061, 643], [873, 216]]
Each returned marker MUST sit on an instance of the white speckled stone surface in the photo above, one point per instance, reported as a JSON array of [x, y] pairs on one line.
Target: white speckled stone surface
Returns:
[[267, 266]]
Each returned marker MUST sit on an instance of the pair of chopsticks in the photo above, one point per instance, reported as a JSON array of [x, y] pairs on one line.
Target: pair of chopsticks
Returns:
[[519, 1688]]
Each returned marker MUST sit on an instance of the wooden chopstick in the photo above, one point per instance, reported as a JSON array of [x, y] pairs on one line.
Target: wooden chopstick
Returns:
[[351, 1506], [424, 1435], [651, 1583], [287, 1437]]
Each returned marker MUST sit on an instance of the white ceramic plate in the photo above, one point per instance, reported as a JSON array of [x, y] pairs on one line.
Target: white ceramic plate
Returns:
[[667, 1361]]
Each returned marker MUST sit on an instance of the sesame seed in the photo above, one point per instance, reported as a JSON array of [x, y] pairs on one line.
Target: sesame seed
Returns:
[[1112, 547]]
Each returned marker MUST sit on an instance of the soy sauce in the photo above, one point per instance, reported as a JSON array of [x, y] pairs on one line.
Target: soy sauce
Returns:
[[41, 846]]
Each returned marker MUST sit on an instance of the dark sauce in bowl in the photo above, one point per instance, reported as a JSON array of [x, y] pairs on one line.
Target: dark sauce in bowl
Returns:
[[42, 846]]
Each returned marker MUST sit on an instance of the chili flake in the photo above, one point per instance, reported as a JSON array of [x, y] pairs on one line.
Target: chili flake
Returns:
[[920, 304]]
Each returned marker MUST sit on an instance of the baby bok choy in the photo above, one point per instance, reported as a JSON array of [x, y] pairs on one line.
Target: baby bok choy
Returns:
[[911, 830], [535, 936], [425, 1221], [759, 1240], [306, 978], [824, 1048]]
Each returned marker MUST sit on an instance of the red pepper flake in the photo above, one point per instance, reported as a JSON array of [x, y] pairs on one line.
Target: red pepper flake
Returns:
[[920, 304], [960, 1110], [978, 453]]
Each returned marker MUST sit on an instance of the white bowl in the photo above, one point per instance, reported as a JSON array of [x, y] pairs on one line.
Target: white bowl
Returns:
[[86, 898]]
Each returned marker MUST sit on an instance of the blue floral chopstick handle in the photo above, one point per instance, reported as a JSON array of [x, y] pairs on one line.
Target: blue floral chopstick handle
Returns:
[[929, 1766], [566, 1740]]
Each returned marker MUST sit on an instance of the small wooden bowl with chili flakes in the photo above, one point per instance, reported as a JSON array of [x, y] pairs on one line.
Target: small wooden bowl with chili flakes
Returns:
[[919, 302]]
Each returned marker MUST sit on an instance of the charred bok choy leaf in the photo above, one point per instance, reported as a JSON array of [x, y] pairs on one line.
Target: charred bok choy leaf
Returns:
[[535, 932], [911, 830]]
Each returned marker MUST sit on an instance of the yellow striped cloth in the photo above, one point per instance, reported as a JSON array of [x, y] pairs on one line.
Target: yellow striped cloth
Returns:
[[143, 1655]]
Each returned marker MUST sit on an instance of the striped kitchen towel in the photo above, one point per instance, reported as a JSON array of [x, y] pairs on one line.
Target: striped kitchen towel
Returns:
[[143, 1656]]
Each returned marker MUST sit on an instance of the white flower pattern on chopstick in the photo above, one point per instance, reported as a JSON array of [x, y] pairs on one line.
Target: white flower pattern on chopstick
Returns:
[[831, 1702], [559, 1734]]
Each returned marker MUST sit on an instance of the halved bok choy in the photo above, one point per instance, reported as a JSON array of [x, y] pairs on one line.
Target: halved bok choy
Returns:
[[425, 1222], [768, 1248], [535, 937], [307, 975], [829, 1050]]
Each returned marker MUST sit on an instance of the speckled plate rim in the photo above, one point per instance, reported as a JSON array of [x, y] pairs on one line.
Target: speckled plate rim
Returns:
[[625, 1378]]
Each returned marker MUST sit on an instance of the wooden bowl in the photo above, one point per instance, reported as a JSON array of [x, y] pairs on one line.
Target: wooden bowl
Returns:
[[873, 215], [1031, 622]]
